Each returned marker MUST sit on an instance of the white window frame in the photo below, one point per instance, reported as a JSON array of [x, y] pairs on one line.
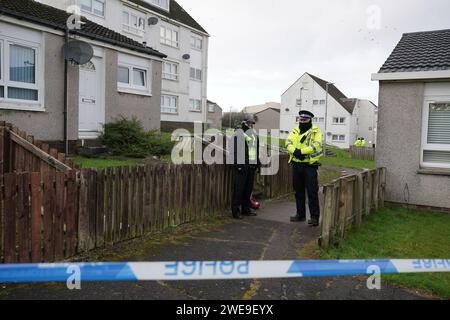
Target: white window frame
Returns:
[[156, 3], [20, 104], [131, 87], [171, 43], [136, 30], [194, 41], [425, 146], [166, 110], [338, 122], [193, 105], [196, 73], [92, 6], [339, 140], [171, 76], [211, 108]]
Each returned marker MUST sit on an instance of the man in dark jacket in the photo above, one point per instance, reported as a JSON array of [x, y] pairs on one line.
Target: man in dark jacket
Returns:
[[246, 163]]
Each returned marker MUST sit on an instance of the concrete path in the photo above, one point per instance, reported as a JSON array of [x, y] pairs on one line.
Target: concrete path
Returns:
[[268, 237]]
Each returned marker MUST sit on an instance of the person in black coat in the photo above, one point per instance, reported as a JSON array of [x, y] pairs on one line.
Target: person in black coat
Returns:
[[246, 164]]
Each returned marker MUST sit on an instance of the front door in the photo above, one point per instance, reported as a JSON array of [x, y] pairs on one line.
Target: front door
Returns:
[[91, 113]]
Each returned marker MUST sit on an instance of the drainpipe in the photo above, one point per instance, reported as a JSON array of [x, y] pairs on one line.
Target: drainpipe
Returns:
[[66, 139]]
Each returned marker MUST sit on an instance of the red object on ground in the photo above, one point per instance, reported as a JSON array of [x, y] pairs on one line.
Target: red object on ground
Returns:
[[254, 203]]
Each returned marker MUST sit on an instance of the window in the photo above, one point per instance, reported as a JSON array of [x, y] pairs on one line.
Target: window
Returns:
[[170, 71], [139, 77], [322, 101], [96, 7], [123, 75], [315, 102], [338, 120], [318, 120], [196, 43], [160, 3], [132, 77], [169, 104], [133, 23], [20, 82], [196, 74], [169, 37], [436, 139], [338, 138], [195, 105], [211, 108]]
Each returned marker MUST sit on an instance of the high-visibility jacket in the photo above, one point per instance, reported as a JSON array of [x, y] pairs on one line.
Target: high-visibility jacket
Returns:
[[363, 143], [357, 143], [252, 144], [310, 143]]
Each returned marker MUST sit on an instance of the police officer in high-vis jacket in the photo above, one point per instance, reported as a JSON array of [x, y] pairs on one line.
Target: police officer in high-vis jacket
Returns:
[[246, 163], [305, 147]]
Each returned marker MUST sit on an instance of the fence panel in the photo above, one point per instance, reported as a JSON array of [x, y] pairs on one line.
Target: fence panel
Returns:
[[347, 200], [363, 153]]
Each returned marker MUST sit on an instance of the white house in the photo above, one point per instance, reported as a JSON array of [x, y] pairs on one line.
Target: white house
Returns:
[[165, 26], [347, 119]]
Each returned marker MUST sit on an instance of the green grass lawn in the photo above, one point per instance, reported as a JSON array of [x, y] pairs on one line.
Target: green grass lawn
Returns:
[[344, 160], [101, 163], [326, 176], [401, 234]]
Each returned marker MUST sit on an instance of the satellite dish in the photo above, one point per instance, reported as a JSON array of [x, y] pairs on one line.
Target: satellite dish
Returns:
[[186, 56], [78, 51], [152, 21]]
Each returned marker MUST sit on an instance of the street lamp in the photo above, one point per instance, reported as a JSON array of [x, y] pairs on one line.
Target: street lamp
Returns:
[[326, 119]]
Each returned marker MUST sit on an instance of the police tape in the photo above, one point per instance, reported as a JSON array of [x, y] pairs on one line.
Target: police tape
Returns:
[[214, 270]]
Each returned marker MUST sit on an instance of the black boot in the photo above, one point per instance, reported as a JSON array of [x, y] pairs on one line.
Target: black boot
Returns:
[[250, 213], [314, 222], [297, 218]]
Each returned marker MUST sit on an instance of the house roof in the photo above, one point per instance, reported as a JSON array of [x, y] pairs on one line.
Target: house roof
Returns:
[[48, 16], [176, 12], [274, 109], [420, 51], [211, 102], [261, 107], [346, 103]]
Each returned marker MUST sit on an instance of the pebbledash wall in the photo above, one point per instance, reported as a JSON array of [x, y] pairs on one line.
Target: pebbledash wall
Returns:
[[44, 120], [401, 106]]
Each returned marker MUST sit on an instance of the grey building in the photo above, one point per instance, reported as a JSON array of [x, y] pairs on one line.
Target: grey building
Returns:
[[122, 79], [267, 115], [215, 115], [414, 120]]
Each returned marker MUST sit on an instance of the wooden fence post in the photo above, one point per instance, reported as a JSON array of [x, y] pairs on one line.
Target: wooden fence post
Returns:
[[359, 199], [36, 216], [327, 217], [10, 206]]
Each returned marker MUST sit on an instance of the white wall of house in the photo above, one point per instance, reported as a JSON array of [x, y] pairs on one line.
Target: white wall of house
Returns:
[[311, 91], [365, 118], [180, 86]]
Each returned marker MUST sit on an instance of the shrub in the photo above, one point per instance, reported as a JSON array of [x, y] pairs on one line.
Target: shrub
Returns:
[[160, 143], [128, 138]]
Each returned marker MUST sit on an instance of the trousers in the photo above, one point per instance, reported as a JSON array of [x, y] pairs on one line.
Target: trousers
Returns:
[[305, 177], [242, 190]]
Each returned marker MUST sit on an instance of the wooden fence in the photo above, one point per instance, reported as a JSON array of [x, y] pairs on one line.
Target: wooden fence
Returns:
[[20, 152], [51, 215], [347, 201], [363, 153]]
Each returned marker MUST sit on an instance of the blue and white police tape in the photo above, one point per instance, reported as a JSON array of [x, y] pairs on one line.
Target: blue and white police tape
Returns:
[[213, 270]]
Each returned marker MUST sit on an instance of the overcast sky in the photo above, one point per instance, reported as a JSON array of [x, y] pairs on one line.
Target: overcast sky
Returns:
[[258, 48]]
